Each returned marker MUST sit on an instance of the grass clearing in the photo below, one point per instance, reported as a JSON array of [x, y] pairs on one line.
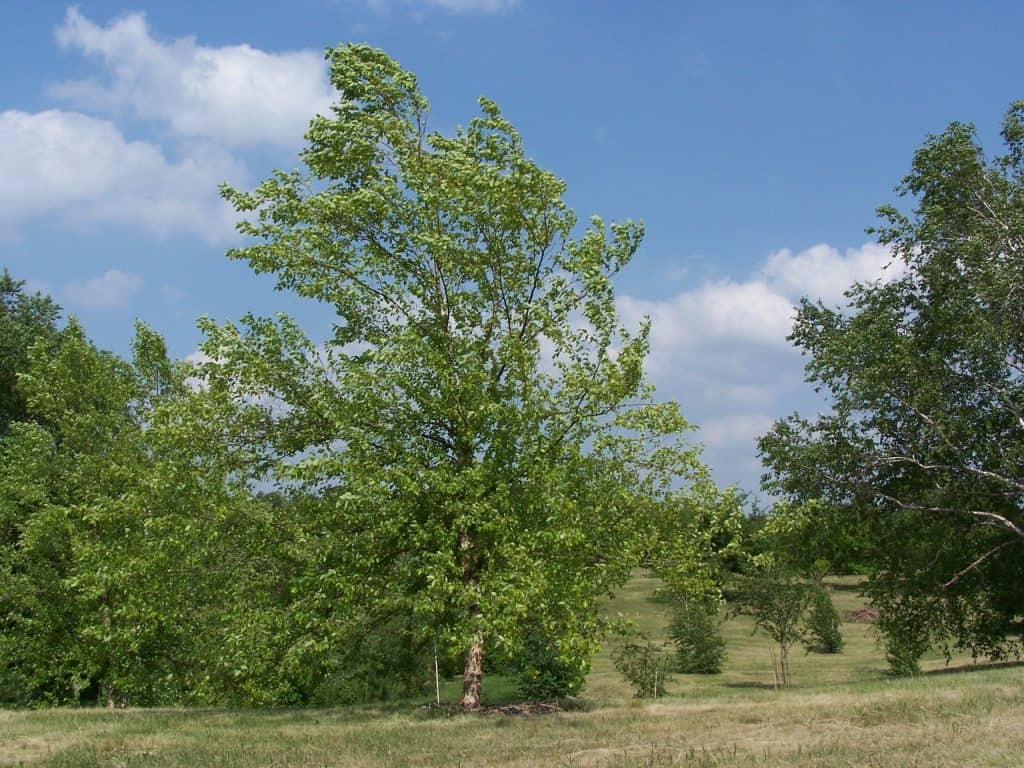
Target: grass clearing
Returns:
[[843, 710]]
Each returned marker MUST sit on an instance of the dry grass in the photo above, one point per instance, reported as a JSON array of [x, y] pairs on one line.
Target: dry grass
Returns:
[[843, 711]]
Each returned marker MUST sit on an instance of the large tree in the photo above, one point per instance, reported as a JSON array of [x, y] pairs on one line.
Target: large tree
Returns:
[[477, 423], [924, 445]]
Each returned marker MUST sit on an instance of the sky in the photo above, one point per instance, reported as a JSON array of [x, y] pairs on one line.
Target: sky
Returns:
[[754, 140]]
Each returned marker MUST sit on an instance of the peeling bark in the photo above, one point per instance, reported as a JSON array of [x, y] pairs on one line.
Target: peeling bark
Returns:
[[473, 673]]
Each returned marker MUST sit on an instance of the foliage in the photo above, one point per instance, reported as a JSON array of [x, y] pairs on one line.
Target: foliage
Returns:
[[923, 444], [696, 631], [777, 601], [905, 633], [543, 675], [815, 538], [699, 542], [644, 665], [121, 531], [24, 320], [823, 633], [477, 424]]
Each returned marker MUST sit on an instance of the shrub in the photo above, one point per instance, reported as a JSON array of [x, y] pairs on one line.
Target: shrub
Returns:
[[644, 666], [543, 673], [823, 635], [697, 634]]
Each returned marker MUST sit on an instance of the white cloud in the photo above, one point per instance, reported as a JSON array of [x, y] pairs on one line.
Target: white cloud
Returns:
[[733, 428], [82, 170], [236, 95], [720, 347], [821, 271], [111, 290]]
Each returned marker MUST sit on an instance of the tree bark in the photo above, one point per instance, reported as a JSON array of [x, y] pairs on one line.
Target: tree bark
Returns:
[[473, 669], [111, 701], [473, 673], [784, 664]]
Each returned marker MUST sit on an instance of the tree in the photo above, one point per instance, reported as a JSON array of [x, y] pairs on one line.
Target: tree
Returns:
[[823, 621], [24, 320], [644, 665], [121, 530], [924, 444], [777, 601], [477, 421], [696, 631]]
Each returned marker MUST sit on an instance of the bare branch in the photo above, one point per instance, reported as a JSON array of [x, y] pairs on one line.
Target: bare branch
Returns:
[[977, 563]]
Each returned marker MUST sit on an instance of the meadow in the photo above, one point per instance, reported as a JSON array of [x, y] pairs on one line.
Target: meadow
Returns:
[[842, 710]]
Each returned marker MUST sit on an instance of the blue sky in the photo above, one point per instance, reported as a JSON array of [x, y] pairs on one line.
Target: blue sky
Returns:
[[753, 139]]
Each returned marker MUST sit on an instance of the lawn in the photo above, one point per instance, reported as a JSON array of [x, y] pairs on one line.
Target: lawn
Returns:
[[842, 711]]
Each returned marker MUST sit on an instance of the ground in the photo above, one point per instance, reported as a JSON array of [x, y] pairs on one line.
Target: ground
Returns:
[[842, 711]]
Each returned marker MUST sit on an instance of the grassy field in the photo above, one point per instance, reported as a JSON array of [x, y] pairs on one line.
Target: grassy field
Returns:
[[842, 711]]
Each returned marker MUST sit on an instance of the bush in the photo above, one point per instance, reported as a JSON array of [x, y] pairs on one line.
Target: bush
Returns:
[[543, 673], [697, 634], [823, 635], [644, 666]]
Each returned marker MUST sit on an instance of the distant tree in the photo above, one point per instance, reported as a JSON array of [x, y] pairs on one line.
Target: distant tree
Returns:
[[923, 445], [777, 601], [479, 412], [696, 631], [823, 633], [814, 538]]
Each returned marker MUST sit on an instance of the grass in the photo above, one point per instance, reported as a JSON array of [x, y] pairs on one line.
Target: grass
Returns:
[[842, 711]]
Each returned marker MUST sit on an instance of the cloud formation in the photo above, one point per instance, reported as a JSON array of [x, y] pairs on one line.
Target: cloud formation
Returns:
[[82, 169], [111, 290], [235, 95], [720, 348]]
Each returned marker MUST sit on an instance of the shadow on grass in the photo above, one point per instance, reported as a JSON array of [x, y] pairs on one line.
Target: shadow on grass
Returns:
[[966, 668], [842, 586], [751, 684]]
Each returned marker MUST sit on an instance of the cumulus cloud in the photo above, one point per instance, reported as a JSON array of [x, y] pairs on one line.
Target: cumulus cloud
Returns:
[[822, 272], [720, 348], [113, 289], [236, 95], [82, 169]]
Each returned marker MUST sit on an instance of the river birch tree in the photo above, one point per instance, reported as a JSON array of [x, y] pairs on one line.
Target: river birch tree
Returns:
[[477, 421]]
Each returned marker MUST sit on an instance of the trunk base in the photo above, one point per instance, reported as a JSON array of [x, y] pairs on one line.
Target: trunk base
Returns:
[[473, 675]]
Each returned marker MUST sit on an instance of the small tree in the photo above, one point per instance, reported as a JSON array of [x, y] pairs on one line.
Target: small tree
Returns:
[[777, 601], [644, 665], [823, 633], [696, 631]]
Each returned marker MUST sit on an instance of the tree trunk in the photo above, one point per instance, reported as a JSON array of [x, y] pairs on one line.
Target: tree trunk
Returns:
[[473, 673], [111, 700], [784, 664], [473, 669]]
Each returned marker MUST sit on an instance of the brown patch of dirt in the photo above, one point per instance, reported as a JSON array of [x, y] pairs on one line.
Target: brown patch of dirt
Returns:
[[864, 615]]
